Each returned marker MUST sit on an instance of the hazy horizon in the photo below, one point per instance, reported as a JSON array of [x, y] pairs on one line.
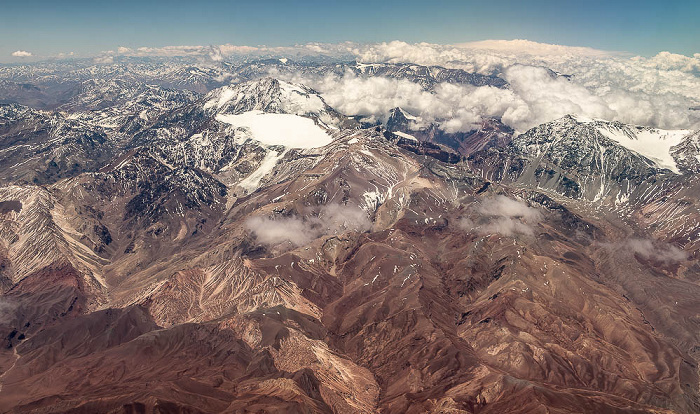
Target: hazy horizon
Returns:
[[44, 30]]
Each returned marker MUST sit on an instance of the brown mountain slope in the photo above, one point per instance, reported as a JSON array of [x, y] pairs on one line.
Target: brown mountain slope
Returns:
[[359, 278]]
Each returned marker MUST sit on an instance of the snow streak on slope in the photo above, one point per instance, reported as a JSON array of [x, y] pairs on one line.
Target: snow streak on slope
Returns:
[[268, 163], [280, 129]]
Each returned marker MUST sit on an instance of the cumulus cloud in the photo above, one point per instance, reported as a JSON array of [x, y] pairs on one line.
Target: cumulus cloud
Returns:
[[656, 91], [298, 231], [103, 60], [273, 231], [21, 53], [649, 249], [667, 61], [547, 98], [505, 216], [169, 51], [507, 226], [489, 57], [7, 306], [655, 250], [507, 207], [454, 107], [602, 85]]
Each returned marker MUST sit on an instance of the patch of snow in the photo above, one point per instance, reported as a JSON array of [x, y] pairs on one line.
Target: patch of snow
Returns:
[[404, 135], [407, 115], [372, 200], [353, 141], [367, 153], [251, 182], [584, 119], [225, 96], [654, 144], [292, 131], [283, 60]]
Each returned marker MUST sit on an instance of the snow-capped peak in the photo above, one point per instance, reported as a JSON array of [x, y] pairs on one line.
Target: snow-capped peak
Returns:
[[654, 144], [267, 95]]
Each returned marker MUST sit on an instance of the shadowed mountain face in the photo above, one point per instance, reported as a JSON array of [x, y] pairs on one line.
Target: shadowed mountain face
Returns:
[[252, 249]]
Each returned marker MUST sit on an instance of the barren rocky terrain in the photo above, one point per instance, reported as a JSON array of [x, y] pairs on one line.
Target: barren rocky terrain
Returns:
[[160, 255]]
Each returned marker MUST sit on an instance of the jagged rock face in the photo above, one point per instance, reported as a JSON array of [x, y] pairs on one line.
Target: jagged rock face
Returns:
[[266, 95], [123, 108], [490, 134], [584, 159], [429, 76], [426, 76], [41, 147], [104, 116], [687, 154], [202, 267], [582, 153]]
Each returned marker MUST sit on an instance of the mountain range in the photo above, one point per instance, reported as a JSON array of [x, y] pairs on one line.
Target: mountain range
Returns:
[[186, 238]]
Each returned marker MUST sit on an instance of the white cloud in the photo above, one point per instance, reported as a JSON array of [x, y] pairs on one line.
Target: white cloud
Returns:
[[521, 47], [454, 107], [656, 91], [507, 226], [21, 53], [299, 231], [280, 230], [169, 51], [667, 61], [104, 60], [485, 57], [507, 207], [655, 250], [505, 216]]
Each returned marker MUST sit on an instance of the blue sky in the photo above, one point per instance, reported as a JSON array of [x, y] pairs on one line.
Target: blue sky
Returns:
[[47, 28]]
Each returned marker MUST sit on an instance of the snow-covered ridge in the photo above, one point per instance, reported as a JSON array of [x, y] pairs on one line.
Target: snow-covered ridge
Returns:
[[267, 94], [654, 144]]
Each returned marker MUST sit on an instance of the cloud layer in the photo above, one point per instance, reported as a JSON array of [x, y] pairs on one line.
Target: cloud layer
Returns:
[[228, 51], [657, 91], [455, 107]]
